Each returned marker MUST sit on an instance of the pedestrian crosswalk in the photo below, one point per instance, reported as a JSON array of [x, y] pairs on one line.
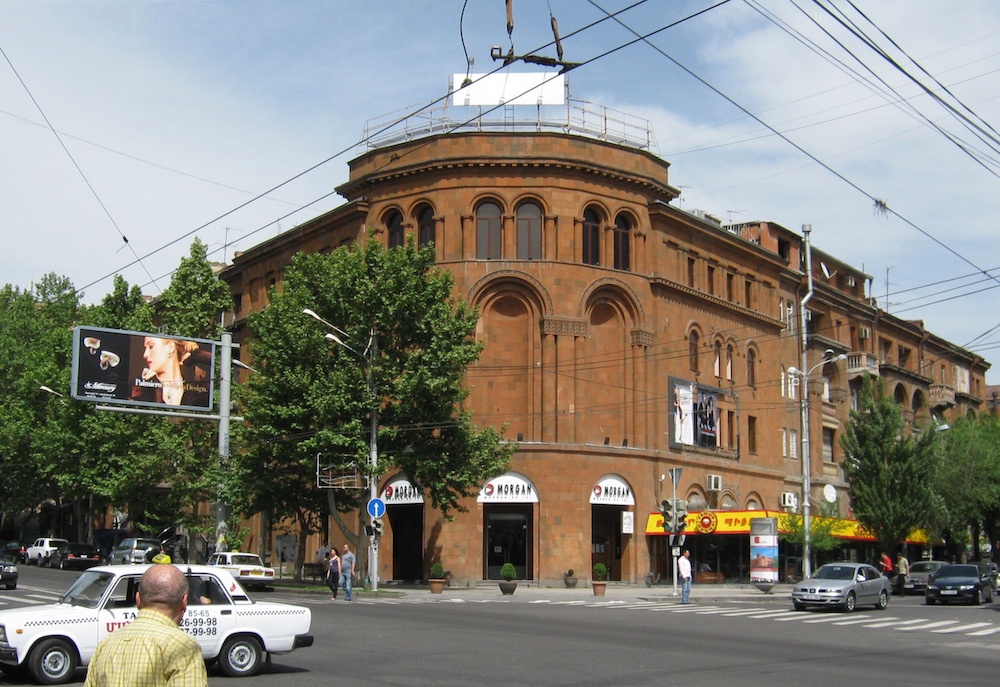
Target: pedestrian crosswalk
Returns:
[[772, 612]]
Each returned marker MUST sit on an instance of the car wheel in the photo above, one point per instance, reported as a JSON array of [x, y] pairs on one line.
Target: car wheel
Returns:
[[241, 656], [883, 601], [12, 586], [851, 602], [929, 601], [798, 606], [979, 597], [62, 564], [52, 662]]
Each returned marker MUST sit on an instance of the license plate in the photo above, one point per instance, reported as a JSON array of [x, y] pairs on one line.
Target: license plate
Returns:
[[256, 572], [948, 592], [810, 597]]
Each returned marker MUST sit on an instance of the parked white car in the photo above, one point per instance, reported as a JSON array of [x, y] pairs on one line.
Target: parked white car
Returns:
[[248, 569], [49, 642], [39, 552]]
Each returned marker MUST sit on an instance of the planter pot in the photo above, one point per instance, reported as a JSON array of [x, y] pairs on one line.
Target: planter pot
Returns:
[[570, 582], [437, 585], [599, 587], [508, 587]]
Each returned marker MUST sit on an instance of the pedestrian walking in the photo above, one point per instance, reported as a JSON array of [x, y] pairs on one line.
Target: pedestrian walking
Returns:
[[885, 565], [347, 562], [333, 574], [902, 572]]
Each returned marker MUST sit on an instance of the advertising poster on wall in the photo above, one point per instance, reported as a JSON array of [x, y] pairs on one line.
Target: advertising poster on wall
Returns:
[[682, 427], [142, 369], [708, 415]]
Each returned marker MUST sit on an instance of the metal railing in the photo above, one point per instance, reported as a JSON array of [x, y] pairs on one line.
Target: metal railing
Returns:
[[578, 117]]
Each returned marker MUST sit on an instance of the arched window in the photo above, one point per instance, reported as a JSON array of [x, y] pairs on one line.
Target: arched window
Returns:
[[529, 232], [751, 368], [425, 225], [782, 380], [729, 363], [591, 237], [489, 232], [623, 236], [394, 224], [693, 351], [718, 359]]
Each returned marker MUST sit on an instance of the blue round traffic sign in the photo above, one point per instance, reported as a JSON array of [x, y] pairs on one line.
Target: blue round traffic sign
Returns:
[[376, 508]]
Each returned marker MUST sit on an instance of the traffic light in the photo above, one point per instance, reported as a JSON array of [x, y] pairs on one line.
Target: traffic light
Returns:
[[680, 515], [377, 527], [667, 510]]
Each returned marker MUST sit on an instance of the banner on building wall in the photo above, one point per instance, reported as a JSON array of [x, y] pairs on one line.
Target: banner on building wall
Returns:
[[612, 490], [142, 369], [508, 488], [682, 428], [695, 414]]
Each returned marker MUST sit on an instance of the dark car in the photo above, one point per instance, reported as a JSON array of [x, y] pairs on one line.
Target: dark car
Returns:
[[916, 581], [75, 557], [8, 568], [964, 582], [16, 549]]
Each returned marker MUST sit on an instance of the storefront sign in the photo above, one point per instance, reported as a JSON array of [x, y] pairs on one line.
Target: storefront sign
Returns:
[[612, 490], [399, 490], [508, 488], [628, 522]]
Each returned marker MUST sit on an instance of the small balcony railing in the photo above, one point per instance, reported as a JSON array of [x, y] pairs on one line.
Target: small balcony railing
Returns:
[[860, 362], [941, 395]]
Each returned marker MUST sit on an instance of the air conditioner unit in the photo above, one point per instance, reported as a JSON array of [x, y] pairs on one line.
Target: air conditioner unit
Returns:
[[713, 483], [851, 281], [865, 333], [789, 499]]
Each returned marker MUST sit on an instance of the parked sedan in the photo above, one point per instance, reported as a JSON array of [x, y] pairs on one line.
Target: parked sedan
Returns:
[[75, 557], [8, 569], [845, 586], [963, 582], [916, 581]]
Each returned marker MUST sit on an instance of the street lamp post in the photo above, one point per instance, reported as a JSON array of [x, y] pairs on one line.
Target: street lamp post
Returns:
[[368, 359], [806, 458]]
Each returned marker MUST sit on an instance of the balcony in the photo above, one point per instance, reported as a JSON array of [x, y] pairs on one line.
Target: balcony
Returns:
[[941, 395], [860, 362]]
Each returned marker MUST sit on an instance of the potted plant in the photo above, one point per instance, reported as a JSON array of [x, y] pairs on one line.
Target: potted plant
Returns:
[[569, 579], [509, 574], [600, 581], [435, 578]]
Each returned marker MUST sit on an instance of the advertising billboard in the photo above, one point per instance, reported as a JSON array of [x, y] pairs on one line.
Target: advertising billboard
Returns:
[[142, 369], [695, 414]]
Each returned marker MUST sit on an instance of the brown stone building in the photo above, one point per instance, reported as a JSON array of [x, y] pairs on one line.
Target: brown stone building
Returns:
[[624, 337]]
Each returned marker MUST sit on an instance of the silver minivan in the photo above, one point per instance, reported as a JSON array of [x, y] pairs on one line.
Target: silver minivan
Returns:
[[132, 550]]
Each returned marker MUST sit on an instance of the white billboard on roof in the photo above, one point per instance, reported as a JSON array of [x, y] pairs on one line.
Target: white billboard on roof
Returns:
[[506, 88]]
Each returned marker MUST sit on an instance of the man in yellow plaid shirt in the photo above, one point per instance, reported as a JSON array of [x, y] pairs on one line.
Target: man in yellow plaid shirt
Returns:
[[151, 651]]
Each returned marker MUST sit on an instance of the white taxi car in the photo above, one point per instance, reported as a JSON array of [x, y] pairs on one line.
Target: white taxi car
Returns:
[[248, 569], [51, 641]]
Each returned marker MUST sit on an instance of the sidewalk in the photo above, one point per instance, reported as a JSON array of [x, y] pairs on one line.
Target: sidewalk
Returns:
[[529, 591]]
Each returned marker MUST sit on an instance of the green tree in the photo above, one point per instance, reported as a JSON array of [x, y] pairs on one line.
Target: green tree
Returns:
[[821, 531], [313, 398], [968, 478], [890, 469]]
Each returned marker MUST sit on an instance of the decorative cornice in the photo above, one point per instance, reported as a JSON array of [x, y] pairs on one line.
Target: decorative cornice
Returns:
[[715, 300], [564, 326]]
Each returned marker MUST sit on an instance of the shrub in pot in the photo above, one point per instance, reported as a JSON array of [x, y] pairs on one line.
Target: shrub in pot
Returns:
[[435, 578], [509, 574], [600, 581], [569, 579]]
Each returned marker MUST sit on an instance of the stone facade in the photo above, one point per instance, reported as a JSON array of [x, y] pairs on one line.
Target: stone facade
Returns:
[[608, 313]]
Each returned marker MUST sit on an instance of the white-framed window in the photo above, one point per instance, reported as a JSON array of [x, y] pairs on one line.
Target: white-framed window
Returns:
[[793, 443]]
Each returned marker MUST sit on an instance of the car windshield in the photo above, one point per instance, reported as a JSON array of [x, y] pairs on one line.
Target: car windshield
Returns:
[[835, 572], [957, 571], [147, 544], [88, 589], [924, 567], [246, 559]]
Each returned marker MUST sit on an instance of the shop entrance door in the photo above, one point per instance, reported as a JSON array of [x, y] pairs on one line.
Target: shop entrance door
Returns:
[[407, 523], [508, 539]]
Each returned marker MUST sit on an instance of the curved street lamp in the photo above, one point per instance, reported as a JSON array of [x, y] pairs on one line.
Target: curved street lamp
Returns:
[[828, 357], [368, 359]]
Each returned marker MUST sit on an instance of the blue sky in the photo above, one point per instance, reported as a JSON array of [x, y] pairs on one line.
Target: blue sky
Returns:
[[178, 112]]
